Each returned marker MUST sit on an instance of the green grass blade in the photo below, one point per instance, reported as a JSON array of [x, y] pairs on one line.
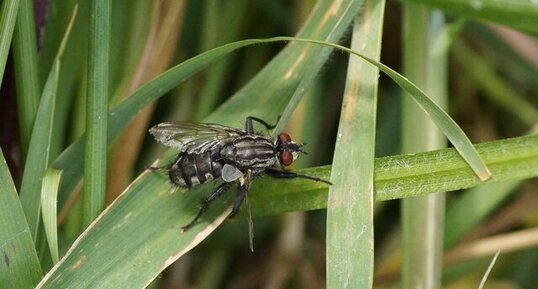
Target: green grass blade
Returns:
[[19, 265], [27, 73], [520, 14], [38, 153], [40, 143], [49, 194], [404, 176], [95, 158], [8, 16], [422, 218], [350, 217]]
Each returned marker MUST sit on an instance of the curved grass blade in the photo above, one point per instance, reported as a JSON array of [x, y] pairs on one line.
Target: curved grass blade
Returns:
[[49, 194], [19, 265], [120, 117], [443, 121]]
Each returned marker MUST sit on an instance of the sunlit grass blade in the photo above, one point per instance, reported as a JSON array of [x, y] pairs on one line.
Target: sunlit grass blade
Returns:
[[26, 71], [350, 216], [95, 156], [518, 14], [49, 193], [8, 16], [19, 265]]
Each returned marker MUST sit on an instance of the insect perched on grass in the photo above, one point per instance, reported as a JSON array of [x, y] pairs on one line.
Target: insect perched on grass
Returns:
[[212, 151]]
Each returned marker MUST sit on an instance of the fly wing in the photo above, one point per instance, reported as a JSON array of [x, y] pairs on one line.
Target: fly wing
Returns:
[[189, 136]]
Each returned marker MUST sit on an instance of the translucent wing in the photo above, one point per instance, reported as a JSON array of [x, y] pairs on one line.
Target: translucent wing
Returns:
[[191, 136]]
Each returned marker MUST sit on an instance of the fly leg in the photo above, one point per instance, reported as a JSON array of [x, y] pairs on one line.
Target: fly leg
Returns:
[[290, 175], [205, 204], [241, 194], [249, 128]]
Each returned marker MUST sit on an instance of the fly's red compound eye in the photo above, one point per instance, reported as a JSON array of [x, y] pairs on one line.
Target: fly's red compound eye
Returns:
[[284, 137], [286, 158]]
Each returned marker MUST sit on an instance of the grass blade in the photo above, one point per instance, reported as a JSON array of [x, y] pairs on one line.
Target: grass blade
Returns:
[[404, 176], [350, 232], [19, 265], [422, 217], [27, 73], [49, 194], [40, 143], [8, 16], [38, 152], [443, 121], [95, 158]]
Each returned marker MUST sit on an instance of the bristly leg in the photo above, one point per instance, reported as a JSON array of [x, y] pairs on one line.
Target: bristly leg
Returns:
[[290, 175], [205, 204]]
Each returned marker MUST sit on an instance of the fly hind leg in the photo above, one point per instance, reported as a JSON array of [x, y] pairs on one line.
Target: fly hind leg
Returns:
[[205, 204]]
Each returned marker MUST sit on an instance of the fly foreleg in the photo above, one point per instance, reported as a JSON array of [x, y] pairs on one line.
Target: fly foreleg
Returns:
[[290, 175], [205, 204]]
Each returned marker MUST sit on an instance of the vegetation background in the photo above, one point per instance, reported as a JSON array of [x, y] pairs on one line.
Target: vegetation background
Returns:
[[99, 73]]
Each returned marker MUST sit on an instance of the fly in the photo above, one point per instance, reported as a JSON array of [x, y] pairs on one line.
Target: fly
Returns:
[[211, 151]]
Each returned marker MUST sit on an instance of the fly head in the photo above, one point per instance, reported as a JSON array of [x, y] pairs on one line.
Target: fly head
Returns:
[[287, 150]]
